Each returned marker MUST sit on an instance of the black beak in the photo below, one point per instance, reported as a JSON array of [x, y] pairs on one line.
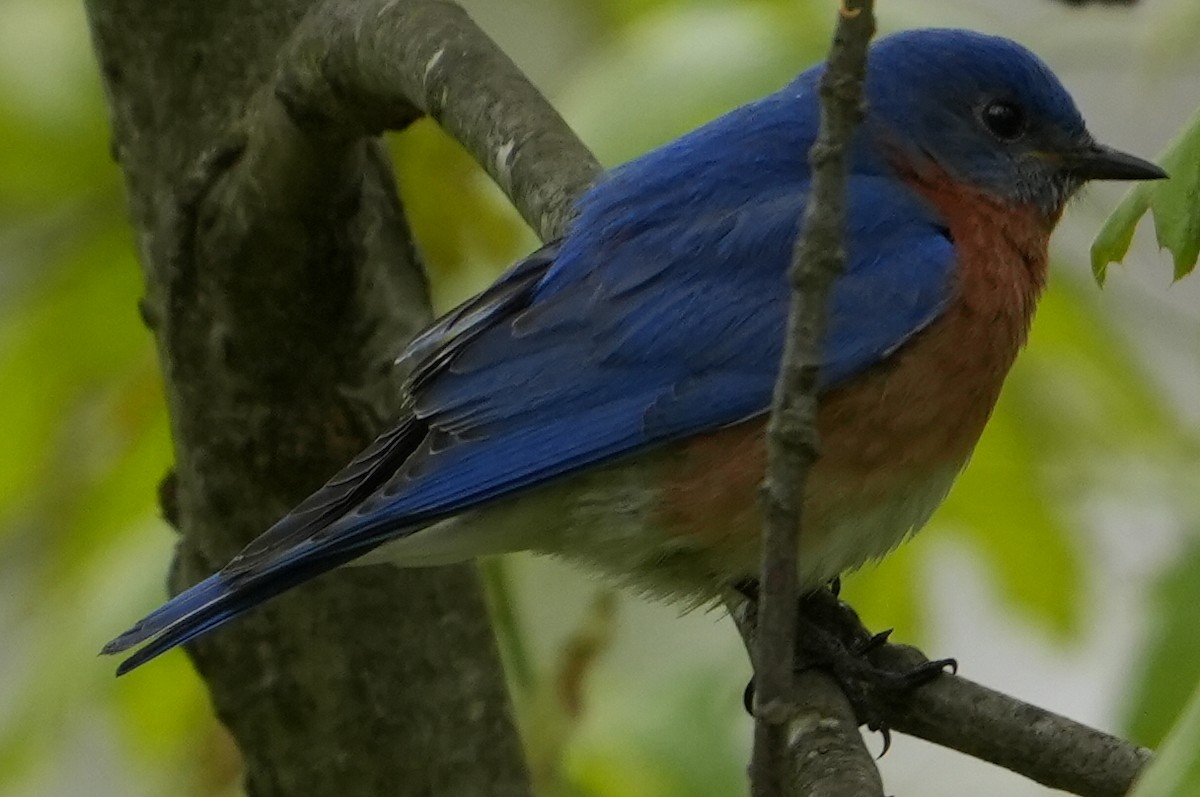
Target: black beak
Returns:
[[1098, 162]]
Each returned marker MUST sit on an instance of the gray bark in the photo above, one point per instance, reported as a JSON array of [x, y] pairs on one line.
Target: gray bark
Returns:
[[279, 289], [1041, 745]]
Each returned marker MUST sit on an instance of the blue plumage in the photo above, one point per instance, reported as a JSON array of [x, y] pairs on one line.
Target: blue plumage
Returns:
[[674, 332], [660, 316]]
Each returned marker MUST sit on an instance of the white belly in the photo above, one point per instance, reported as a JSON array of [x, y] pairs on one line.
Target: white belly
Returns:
[[608, 519]]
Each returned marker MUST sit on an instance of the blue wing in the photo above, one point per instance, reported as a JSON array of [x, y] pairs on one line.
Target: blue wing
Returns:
[[628, 334], [676, 335]]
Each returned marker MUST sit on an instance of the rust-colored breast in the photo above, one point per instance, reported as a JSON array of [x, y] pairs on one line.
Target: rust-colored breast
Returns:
[[927, 403], [920, 411]]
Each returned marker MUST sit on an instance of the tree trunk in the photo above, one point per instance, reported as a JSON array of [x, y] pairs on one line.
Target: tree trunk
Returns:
[[278, 302]]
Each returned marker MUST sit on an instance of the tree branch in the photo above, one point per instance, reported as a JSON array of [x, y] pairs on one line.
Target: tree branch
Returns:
[[792, 444], [826, 750], [281, 280], [962, 715], [824, 753], [345, 77], [1046, 747]]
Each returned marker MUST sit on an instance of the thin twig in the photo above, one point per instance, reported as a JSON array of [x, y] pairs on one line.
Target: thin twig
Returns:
[[791, 434]]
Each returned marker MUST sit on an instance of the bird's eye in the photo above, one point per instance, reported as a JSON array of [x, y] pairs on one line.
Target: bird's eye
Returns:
[[1005, 120]]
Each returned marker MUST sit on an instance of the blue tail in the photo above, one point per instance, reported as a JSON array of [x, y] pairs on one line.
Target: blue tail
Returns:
[[184, 617], [325, 531], [286, 555], [216, 600]]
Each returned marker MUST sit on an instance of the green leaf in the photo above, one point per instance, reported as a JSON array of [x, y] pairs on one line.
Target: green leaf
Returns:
[[683, 743], [466, 230], [1174, 204], [682, 66], [885, 594], [52, 117], [1175, 771], [1002, 505], [65, 341], [1084, 384], [1171, 666]]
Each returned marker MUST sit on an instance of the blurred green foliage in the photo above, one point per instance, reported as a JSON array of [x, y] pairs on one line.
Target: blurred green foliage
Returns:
[[85, 438], [1176, 769], [1172, 666], [467, 246]]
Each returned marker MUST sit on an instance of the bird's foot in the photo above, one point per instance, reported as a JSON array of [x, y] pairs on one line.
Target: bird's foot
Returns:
[[830, 637]]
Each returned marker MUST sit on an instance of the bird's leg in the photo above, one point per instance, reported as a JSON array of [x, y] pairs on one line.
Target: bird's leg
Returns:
[[830, 636]]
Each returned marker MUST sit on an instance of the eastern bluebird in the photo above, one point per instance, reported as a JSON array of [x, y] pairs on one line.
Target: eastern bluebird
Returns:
[[605, 399]]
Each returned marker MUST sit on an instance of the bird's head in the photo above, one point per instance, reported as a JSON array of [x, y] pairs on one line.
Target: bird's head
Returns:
[[989, 113]]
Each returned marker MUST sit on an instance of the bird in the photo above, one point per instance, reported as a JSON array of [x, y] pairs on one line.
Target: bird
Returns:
[[605, 400]]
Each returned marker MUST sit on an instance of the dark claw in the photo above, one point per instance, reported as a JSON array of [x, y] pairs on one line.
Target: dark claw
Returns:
[[886, 733], [832, 638], [875, 642], [835, 586], [923, 673], [942, 664]]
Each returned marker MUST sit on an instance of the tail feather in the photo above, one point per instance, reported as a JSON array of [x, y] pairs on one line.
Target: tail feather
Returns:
[[217, 600], [185, 630], [175, 611], [286, 555], [323, 532]]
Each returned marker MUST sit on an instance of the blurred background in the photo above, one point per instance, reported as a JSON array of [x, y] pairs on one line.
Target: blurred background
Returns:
[[1065, 568]]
